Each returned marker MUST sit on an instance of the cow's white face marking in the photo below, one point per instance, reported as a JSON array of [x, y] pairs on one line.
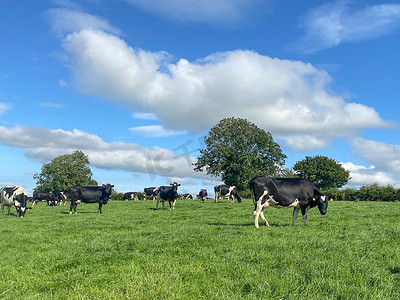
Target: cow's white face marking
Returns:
[[323, 198], [17, 203]]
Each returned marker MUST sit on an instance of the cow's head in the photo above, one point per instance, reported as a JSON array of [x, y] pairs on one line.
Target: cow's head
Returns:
[[20, 202], [107, 191], [175, 186], [322, 204], [236, 194]]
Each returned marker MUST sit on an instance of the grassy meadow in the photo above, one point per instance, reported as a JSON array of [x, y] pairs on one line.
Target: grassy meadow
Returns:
[[201, 251]]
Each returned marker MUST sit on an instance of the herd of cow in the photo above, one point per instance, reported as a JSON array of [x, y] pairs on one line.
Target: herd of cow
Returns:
[[299, 193]]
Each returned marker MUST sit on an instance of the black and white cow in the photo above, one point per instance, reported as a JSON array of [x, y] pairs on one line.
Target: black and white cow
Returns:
[[302, 194], [62, 197], [49, 197], [131, 196], [14, 195], [150, 192], [90, 194], [168, 193], [203, 194], [186, 196], [228, 192]]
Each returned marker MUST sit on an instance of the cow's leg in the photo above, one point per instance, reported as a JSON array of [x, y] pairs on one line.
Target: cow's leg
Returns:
[[258, 210], [216, 197], [304, 213], [158, 201], [295, 214], [162, 202], [100, 208], [173, 204], [8, 208], [232, 198]]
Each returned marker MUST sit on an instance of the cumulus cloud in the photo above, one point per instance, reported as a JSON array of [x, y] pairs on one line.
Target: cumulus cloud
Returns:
[[335, 23], [290, 99], [220, 12], [43, 145], [361, 175], [385, 157], [155, 131]]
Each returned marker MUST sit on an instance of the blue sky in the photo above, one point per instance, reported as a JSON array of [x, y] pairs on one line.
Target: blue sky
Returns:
[[137, 84]]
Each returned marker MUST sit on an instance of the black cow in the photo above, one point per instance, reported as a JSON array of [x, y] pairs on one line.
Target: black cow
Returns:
[[227, 191], [14, 195], [302, 194], [90, 194], [169, 193], [131, 196], [150, 192], [186, 196], [49, 197], [203, 194]]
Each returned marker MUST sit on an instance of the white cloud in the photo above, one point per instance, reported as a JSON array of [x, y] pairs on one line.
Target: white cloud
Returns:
[[145, 116], [385, 157], [42, 145], [220, 12], [361, 175], [335, 23], [65, 20], [290, 99], [155, 131], [4, 107]]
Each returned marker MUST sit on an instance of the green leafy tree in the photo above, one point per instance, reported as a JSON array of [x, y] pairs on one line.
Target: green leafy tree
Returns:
[[63, 172], [237, 150], [325, 172]]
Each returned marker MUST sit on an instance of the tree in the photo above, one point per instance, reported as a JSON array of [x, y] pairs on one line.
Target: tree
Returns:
[[237, 150], [63, 172], [325, 172]]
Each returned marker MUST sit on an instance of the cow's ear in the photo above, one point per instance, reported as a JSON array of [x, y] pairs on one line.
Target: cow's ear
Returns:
[[29, 208], [313, 199], [179, 184]]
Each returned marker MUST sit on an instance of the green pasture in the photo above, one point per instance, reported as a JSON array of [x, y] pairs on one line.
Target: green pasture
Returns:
[[201, 251]]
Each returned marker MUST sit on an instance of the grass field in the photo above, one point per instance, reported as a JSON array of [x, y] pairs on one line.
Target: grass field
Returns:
[[201, 251]]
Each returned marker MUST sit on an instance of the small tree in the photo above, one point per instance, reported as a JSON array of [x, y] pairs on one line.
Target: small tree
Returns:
[[325, 172], [238, 150], [63, 172]]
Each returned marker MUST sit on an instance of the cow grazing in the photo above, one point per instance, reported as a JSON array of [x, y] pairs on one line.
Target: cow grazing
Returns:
[[228, 192], [186, 196], [131, 196], [90, 194], [49, 197], [150, 192], [14, 195], [169, 193], [302, 194], [203, 194]]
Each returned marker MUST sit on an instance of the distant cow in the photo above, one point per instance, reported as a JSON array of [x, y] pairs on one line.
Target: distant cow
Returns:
[[302, 194], [150, 192], [62, 197], [14, 195], [49, 197], [131, 196], [169, 193], [90, 194], [227, 191], [203, 194], [186, 196]]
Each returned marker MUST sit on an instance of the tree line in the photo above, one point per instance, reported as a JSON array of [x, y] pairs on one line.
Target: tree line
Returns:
[[236, 150]]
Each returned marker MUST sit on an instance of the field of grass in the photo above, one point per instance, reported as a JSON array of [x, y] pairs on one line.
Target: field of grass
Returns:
[[201, 251]]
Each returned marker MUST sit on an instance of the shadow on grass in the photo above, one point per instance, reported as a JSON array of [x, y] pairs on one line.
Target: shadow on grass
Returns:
[[249, 225]]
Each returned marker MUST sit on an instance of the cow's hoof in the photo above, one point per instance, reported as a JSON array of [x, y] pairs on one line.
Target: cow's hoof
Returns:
[[70, 212]]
